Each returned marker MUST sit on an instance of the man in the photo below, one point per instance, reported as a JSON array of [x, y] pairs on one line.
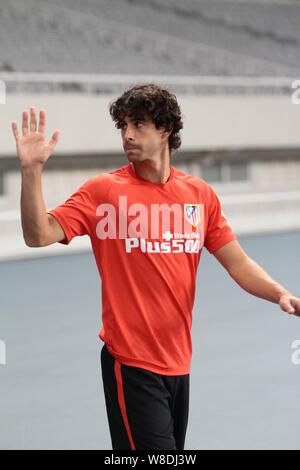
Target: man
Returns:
[[148, 223]]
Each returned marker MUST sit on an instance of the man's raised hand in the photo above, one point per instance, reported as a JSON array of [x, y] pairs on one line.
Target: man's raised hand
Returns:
[[32, 148]]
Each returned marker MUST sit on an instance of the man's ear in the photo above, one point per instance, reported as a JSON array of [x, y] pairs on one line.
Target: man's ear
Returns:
[[168, 132]]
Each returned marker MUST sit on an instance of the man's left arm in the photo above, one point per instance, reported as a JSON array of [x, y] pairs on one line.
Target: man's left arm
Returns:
[[253, 279]]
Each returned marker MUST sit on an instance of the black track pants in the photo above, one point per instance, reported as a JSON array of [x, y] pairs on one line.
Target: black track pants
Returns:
[[145, 410]]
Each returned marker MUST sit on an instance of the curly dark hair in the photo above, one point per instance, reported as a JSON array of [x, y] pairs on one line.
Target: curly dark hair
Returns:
[[150, 101]]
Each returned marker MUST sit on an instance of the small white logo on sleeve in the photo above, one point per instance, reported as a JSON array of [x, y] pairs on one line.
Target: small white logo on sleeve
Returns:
[[2, 353], [295, 358]]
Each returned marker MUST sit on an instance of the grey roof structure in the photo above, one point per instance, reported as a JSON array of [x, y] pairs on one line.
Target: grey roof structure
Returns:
[[195, 37]]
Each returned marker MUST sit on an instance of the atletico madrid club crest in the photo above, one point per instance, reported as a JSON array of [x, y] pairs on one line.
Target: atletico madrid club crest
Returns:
[[192, 213]]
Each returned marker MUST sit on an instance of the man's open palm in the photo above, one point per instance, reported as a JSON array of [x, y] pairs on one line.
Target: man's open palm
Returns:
[[32, 147]]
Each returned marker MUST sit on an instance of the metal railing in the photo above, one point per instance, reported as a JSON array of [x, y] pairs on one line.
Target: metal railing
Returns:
[[26, 82]]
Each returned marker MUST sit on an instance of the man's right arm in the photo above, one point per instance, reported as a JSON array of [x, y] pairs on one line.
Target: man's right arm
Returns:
[[39, 228]]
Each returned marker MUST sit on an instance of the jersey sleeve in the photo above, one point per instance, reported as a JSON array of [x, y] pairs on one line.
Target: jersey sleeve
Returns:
[[76, 214], [219, 231]]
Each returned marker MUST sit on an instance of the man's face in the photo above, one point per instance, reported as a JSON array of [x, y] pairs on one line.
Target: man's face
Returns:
[[141, 139]]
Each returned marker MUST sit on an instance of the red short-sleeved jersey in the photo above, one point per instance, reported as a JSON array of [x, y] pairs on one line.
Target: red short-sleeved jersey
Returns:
[[147, 240]]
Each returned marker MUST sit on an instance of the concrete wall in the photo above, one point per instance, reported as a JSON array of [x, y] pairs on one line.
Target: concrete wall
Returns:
[[261, 130], [210, 122]]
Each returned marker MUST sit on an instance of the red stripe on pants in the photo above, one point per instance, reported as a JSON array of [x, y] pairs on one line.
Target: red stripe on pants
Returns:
[[121, 399]]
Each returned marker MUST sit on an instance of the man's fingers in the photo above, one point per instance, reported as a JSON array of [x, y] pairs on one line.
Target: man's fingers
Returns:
[[54, 139], [25, 122], [296, 305], [32, 120], [287, 307], [42, 121], [291, 305], [15, 130]]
